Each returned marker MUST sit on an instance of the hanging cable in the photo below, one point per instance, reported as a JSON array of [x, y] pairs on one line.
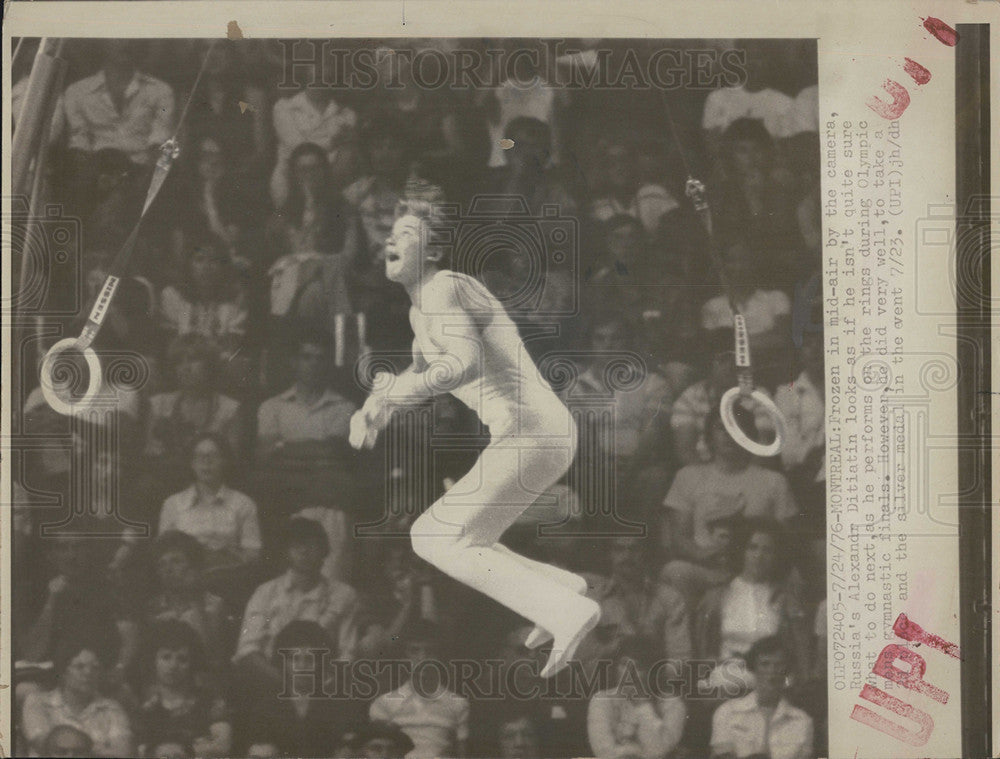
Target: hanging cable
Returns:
[[695, 191], [169, 152]]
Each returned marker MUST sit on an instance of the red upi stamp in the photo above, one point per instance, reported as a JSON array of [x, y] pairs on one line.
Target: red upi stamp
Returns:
[[911, 678]]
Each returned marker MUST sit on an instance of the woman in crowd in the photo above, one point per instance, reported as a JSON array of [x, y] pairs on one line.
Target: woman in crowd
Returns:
[[223, 520], [179, 594], [176, 418], [208, 300], [317, 236], [177, 704], [757, 603], [632, 720], [308, 718], [77, 701]]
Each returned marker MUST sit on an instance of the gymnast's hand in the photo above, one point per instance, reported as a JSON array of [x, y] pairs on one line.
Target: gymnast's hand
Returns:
[[370, 419]]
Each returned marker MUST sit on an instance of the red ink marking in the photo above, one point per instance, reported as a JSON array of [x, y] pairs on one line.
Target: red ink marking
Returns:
[[893, 110], [866, 716], [913, 679], [919, 73], [911, 631], [941, 31]]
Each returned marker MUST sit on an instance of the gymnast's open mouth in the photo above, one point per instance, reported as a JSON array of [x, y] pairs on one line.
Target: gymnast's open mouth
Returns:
[[392, 256]]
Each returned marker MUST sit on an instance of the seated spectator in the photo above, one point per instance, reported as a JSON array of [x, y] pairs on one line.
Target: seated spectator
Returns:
[[77, 701], [434, 718], [302, 433], [302, 720], [119, 107], [78, 599], [763, 723], [313, 115], [66, 740], [380, 740], [525, 180], [756, 98], [801, 404], [524, 92], [208, 300], [632, 720], [640, 444], [693, 407], [177, 705], [767, 311], [223, 520], [730, 484], [624, 193], [518, 736], [176, 418], [757, 603], [317, 237], [300, 593], [212, 198], [648, 607], [130, 320], [409, 596], [179, 593], [751, 200]]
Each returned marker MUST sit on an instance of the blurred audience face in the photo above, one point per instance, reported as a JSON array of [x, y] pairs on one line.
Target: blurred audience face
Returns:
[[310, 365], [759, 558], [68, 556], [120, 54], [305, 558], [386, 156], [748, 157], [175, 571], [83, 674], [624, 242], [620, 168], [627, 560], [308, 172], [531, 148], [381, 748], [192, 372], [770, 671], [207, 462], [173, 666], [519, 739], [207, 269], [64, 740], [211, 164]]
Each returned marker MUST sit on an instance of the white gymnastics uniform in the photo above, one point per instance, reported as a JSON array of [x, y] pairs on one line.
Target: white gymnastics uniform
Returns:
[[532, 444]]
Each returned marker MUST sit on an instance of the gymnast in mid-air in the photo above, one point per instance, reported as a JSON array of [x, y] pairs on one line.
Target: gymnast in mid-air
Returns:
[[465, 344]]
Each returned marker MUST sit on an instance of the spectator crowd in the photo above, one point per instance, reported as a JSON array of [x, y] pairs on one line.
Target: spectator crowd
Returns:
[[207, 569]]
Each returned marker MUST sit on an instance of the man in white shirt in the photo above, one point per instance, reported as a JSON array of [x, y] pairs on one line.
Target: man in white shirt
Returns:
[[434, 718], [763, 723], [309, 411], [302, 592], [313, 115], [119, 107]]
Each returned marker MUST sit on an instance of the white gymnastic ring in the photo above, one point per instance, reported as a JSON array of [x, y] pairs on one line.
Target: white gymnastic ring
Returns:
[[726, 411], [93, 386]]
